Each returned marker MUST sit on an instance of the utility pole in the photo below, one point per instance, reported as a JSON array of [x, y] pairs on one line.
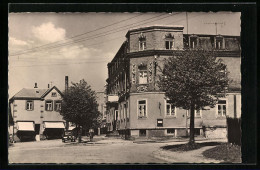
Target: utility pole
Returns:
[[187, 22], [216, 25]]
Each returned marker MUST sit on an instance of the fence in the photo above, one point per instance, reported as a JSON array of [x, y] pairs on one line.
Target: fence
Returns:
[[234, 130]]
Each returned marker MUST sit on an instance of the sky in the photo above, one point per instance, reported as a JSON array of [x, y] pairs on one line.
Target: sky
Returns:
[[46, 47]]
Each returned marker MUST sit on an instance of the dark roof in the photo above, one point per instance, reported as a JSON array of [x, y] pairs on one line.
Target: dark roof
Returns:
[[178, 27], [34, 93]]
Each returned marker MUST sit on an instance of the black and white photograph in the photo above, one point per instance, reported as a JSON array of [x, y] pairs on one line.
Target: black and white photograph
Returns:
[[124, 87]]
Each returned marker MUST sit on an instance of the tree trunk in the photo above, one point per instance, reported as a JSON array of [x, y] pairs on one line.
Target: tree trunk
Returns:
[[192, 141], [79, 134]]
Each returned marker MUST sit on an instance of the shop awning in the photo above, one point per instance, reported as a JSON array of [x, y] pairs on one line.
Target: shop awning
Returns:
[[54, 125], [25, 126]]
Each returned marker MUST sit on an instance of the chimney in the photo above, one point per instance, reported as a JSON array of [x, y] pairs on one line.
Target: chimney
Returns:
[[35, 85], [66, 83], [48, 86]]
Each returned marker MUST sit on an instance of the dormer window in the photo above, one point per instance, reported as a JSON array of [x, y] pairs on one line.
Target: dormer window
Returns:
[[194, 41], [219, 42], [169, 41], [142, 42]]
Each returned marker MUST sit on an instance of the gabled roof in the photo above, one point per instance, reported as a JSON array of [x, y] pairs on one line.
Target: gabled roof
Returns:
[[34, 93]]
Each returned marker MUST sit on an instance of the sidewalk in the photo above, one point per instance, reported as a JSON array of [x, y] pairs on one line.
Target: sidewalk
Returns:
[[194, 156]]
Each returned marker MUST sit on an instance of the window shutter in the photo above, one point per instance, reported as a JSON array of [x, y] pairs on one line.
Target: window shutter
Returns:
[[32, 105]]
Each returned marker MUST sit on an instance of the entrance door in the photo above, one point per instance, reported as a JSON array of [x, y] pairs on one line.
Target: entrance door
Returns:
[[37, 129]]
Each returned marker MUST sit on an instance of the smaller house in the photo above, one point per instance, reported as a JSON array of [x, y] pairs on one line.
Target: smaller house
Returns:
[[35, 113]]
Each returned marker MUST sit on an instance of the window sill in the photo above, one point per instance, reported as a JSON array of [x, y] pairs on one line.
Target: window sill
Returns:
[[170, 117], [199, 117], [141, 117], [29, 110]]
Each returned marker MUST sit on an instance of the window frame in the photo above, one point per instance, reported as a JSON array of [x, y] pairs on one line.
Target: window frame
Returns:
[[146, 106], [217, 115], [46, 101], [55, 106], [170, 44], [142, 69], [32, 105], [175, 113], [142, 45]]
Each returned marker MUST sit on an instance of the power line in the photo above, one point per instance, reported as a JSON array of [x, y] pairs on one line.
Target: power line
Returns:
[[91, 45], [70, 38], [91, 37]]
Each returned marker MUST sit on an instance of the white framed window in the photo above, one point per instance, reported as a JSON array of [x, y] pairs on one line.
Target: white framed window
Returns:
[[142, 45], [142, 108], [198, 113], [143, 78], [29, 105], [58, 105], [169, 44], [49, 105], [222, 108], [170, 109]]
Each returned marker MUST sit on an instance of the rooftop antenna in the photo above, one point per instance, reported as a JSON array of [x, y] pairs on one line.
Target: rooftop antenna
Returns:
[[216, 25]]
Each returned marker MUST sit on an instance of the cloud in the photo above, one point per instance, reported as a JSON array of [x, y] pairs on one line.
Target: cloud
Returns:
[[15, 42], [47, 32]]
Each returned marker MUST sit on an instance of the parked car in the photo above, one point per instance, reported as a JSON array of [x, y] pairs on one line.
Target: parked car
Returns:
[[68, 136]]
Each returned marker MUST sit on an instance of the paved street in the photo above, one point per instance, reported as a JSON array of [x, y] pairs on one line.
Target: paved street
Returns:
[[109, 150]]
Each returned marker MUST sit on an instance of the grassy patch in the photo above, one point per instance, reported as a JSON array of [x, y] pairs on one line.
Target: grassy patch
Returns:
[[226, 152], [188, 147]]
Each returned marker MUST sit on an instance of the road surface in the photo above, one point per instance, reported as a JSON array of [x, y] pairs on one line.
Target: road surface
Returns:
[[108, 150]]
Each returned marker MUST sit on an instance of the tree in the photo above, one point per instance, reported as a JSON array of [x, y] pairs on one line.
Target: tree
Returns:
[[193, 80], [80, 106]]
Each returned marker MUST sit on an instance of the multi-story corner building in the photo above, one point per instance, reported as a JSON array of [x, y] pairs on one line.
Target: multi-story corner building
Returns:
[[136, 105], [36, 112]]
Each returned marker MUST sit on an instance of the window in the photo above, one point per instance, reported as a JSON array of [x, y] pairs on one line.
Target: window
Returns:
[[159, 122], [170, 109], [222, 108], [142, 132], [169, 41], [57, 105], [53, 94], [29, 105], [142, 108], [142, 45], [219, 42], [48, 105], [193, 42], [169, 44], [171, 131], [142, 42], [197, 113], [143, 78]]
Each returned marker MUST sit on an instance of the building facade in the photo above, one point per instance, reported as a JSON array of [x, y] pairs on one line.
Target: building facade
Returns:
[[135, 104], [36, 111]]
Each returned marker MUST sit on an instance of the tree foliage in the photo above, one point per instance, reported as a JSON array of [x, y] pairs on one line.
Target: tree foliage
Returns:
[[80, 106], [193, 80]]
